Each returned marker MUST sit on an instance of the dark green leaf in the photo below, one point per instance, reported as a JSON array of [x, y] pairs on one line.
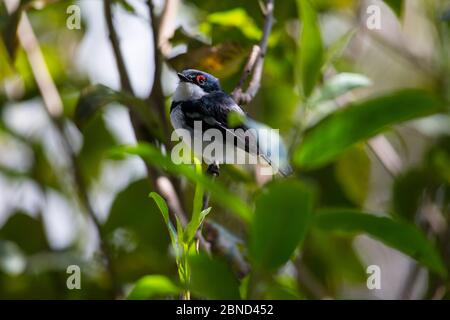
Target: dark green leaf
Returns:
[[396, 6], [21, 224], [8, 29], [136, 233], [408, 191], [282, 216], [97, 140], [334, 134], [399, 235], [92, 99], [212, 279], [310, 47], [162, 205]]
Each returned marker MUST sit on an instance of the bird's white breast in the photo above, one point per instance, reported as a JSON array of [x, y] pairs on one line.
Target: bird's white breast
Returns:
[[188, 91]]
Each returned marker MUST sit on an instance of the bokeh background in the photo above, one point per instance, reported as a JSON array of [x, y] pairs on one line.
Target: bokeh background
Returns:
[[403, 173]]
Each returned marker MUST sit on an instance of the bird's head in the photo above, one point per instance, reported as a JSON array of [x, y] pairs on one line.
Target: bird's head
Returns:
[[194, 84]]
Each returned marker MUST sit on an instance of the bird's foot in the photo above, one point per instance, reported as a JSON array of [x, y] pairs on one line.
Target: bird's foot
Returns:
[[213, 169]]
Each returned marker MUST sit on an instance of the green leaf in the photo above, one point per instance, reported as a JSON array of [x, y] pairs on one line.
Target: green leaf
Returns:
[[180, 232], [153, 156], [8, 29], [396, 6], [194, 225], [353, 173], [333, 135], [136, 234], [235, 119], [97, 140], [237, 18], [339, 85], [399, 235], [21, 224], [126, 6], [153, 286], [92, 99], [310, 47], [212, 279], [407, 192], [162, 205], [282, 217], [335, 50]]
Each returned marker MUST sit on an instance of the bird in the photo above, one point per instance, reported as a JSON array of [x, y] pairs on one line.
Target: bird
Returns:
[[201, 110]]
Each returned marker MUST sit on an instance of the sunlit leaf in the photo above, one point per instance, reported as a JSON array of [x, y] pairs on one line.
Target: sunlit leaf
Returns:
[[399, 235], [153, 286], [334, 134], [236, 17], [282, 216], [310, 49]]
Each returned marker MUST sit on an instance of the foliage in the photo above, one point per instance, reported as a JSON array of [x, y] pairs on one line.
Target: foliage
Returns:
[[290, 238]]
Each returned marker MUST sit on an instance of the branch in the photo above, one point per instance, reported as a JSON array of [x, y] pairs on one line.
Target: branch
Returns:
[[255, 61], [156, 96], [54, 108], [161, 183]]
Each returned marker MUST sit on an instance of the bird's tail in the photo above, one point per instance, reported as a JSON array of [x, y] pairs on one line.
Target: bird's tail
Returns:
[[271, 147]]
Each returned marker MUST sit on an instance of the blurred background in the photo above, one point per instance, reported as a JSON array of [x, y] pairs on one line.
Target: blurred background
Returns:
[[44, 223]]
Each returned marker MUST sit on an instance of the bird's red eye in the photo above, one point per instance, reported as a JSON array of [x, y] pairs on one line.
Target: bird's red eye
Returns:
[[200, 79]]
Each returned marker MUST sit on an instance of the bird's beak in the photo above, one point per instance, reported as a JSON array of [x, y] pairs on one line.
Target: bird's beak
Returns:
[[182, 77]]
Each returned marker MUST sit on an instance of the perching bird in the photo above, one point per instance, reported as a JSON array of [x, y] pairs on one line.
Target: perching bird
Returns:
[[199, 97]]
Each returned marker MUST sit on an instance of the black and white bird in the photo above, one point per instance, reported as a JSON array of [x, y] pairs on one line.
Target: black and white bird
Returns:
[[199, 97]]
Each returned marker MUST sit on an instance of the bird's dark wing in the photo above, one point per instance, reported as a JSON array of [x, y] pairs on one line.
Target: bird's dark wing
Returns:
[[213, 110]]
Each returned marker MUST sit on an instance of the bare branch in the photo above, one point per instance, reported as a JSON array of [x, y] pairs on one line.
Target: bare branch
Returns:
[[255, 65], [167, 26], [386, 154]]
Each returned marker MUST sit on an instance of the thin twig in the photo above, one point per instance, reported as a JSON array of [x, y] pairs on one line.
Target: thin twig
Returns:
[[54, 108], [254, 55], [253, 65]]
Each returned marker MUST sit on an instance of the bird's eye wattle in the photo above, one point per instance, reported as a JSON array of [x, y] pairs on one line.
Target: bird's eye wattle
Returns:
[[200, 79]]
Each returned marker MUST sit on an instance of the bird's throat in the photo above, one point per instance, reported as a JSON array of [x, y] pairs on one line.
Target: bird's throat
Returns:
[[187, 91]]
